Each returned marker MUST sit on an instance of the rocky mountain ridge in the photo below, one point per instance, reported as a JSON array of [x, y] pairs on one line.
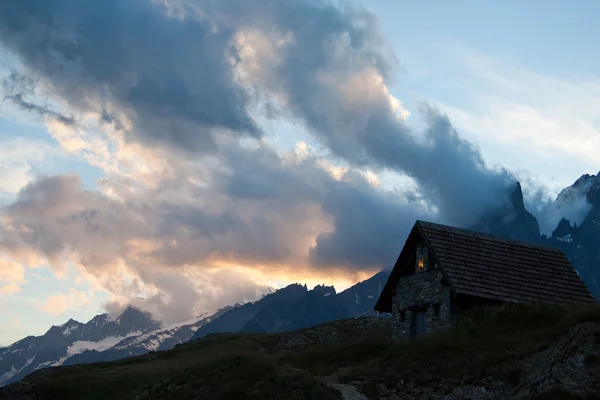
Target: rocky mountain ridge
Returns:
[[62, 342], [163, 338], [295, 307], [580, 242]]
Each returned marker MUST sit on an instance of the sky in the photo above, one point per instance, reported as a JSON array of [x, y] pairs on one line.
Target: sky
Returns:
[[181, 156]]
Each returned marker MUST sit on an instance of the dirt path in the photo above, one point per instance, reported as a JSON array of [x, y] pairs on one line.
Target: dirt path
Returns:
[[349, 392]]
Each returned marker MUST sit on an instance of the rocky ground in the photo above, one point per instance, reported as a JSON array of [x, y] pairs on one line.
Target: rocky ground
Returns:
[[510, 352], [350, 330], [567, 369]]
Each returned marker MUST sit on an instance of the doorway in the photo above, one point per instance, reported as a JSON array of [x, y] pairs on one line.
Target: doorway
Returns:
[[418, 325]]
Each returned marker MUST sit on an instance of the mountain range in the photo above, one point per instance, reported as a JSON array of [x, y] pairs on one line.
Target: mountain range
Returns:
[[60, 343], [133, 332]]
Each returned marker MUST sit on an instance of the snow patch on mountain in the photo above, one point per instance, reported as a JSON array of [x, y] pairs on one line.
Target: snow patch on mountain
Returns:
[[101, 345], [13, 371], [54, 363], [112, 317], [69, 330], [184, 323], [152, 340], [8, 375], [567, 238]]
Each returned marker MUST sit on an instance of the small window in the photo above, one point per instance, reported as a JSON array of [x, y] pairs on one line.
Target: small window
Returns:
[[421, 265], [436, 310], [403, 316]]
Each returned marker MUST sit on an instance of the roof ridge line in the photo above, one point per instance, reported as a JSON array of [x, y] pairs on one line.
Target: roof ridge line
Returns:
[[484, 235]]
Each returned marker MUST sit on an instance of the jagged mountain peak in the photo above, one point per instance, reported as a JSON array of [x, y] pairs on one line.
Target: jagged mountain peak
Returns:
[[578, 190], [135, 316], [294, 288], [563, 228], [70, 322], [511, 219], [323, 290], [516, 197], [65, 328], [131, 310]]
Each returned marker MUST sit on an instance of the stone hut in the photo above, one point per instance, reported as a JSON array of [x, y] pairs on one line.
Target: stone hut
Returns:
[[443, 271]]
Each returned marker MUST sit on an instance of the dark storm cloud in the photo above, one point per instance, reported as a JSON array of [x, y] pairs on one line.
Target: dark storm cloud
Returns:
[[170, 76], [343, 42], [369, 226], [55, 214]]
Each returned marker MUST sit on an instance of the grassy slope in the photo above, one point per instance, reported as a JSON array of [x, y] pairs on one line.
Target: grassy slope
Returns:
[[487, 342]]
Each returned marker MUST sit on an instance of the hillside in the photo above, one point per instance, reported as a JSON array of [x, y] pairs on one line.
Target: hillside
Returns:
[[523, 352]]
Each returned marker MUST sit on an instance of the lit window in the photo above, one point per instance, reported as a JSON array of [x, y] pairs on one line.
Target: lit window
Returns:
[[421, 265]]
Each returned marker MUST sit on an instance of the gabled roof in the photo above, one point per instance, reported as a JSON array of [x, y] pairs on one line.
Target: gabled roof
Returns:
[[492, 267]]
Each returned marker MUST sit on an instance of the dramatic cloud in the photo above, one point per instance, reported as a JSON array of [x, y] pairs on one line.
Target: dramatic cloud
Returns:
[[268, 212], [165, 97], [168, 78]]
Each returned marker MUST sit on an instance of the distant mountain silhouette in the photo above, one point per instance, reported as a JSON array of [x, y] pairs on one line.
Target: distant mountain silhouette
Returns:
[[580, 243]]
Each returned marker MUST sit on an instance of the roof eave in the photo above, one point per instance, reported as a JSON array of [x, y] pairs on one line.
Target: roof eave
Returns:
[[389, 286]]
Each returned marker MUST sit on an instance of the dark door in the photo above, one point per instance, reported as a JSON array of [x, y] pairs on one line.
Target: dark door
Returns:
[[419, 322]]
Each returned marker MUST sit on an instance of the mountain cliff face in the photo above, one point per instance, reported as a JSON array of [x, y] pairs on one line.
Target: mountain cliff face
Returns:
[[580, 243], [511, 220]]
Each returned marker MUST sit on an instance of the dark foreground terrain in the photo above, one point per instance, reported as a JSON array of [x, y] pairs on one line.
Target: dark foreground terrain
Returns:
[[521, 352]]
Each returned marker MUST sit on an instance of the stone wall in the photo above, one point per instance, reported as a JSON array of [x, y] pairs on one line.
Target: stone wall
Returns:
[[422, 291]]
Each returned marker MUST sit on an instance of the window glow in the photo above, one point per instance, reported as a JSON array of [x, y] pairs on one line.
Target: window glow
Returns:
[[421, 265]]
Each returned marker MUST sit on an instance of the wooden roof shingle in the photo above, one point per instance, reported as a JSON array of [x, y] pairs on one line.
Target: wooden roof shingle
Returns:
[[496, 268]]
